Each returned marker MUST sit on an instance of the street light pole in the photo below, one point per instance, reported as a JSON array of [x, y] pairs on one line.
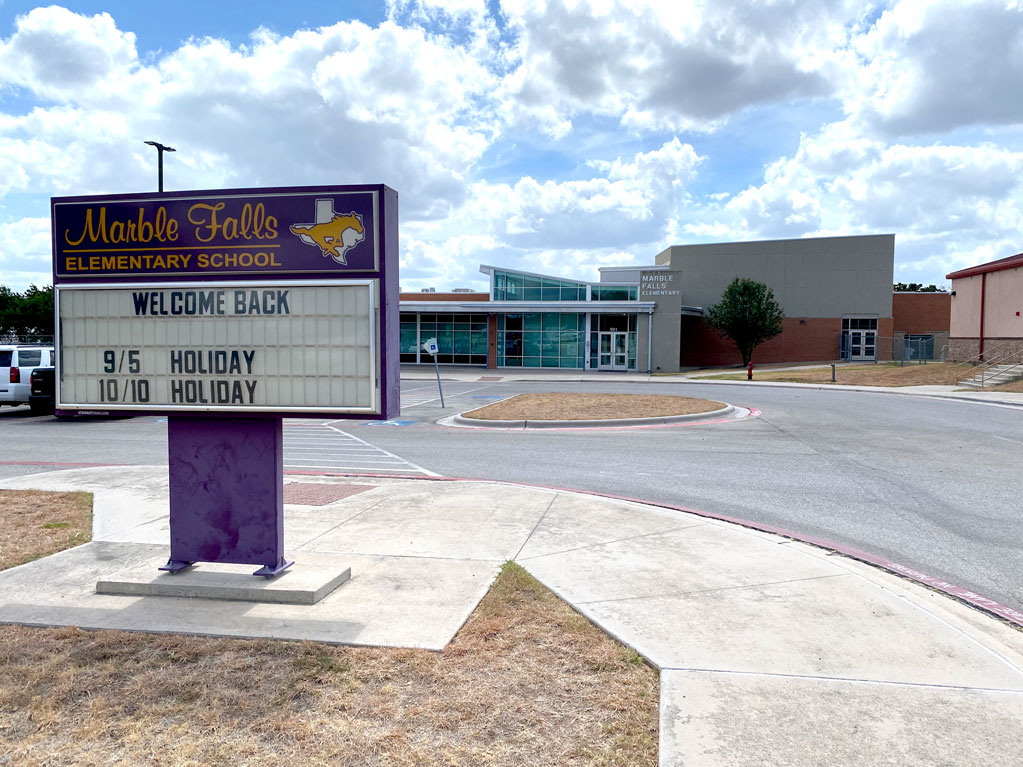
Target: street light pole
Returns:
[[160, 149]]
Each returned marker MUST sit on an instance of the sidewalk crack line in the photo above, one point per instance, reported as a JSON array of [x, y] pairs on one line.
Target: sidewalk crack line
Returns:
[[616, 540], [711, 591], [531, 532]]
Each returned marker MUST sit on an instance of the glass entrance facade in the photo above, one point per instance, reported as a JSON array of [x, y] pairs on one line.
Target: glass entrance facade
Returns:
[[613, 342], [461, 338], [533, 340]]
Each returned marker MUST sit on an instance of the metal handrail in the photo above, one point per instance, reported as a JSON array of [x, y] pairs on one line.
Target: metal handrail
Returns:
[[983, 374], [976, 363], [1015, 356]]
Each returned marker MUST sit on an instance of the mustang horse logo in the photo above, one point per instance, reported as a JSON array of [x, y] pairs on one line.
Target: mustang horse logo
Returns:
[[335, 234]]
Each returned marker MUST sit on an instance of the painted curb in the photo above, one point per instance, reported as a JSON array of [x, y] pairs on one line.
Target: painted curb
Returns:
[[481, 423], [751, 384], [849, 388]]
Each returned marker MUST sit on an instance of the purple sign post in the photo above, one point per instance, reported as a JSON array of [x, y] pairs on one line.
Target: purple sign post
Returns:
[[227, 311]]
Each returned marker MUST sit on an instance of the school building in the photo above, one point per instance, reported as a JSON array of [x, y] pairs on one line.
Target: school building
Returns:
[[987, 311], [836, 293]]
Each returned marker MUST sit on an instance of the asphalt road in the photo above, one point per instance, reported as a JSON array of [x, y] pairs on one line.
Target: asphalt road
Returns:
[[935, 485]]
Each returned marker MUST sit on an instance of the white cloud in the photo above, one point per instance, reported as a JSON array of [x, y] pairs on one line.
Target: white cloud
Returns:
[[929, 66], [342, 104], [440, 100], [25, 253], [950, 206], [629, 204], [671, 66], [63, 56], [838, 181], [620, 215]]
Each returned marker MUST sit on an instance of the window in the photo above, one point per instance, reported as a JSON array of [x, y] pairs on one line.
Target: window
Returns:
[[615, 292], [540, 339], [461, 338], [510, 286]]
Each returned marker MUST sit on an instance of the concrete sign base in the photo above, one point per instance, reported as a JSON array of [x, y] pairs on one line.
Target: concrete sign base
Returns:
[[303, 585]]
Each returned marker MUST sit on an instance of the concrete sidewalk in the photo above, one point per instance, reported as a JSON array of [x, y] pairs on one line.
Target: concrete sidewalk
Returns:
[[552, 375], [771, 652]]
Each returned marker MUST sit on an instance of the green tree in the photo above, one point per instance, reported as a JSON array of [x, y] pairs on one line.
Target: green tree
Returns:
[[28, 314], [747, 314], [916, 287], [37, 311], [10, 309]]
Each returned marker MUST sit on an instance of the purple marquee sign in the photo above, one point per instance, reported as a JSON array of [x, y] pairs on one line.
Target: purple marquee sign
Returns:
[[243, 301], [228, 310], [243, 232]]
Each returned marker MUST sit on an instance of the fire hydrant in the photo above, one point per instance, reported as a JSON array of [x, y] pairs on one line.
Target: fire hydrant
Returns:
[[749, 372]]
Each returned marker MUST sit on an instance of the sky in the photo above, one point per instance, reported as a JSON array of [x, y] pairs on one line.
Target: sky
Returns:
[[552, 137]]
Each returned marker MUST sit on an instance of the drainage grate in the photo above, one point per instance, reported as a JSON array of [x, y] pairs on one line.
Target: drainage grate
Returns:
[[319, 494]]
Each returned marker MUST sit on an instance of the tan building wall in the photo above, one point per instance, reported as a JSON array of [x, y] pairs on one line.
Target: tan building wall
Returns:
[[1000, 292], [1003, 305], [965, 307]]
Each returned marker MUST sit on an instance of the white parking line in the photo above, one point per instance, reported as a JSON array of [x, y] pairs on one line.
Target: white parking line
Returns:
[[450, 396], [324, 447]]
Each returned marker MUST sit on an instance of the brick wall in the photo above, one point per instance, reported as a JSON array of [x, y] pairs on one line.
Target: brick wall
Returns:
[[810, 339], [921, 312]]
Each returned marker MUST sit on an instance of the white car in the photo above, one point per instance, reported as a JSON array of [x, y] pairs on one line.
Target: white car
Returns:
[[16, 366]]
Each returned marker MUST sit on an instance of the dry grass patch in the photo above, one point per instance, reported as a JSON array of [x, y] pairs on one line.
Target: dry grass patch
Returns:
[[36, 523], [881, 374], [526, 681], [581, 407]]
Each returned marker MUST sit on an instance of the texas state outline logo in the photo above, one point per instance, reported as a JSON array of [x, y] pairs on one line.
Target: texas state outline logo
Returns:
[[333, 233]]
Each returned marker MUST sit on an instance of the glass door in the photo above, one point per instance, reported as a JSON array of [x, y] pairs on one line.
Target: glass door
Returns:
[[621, 351], [604, 362], [859, 340], [613, 351]]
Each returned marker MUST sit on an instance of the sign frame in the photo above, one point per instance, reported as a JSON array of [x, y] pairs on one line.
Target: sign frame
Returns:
[[379, 265], [229, 411], [58, 204]]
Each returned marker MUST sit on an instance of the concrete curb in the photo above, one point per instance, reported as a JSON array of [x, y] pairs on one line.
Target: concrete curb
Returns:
[[864, 389], [480, 423], [673, 379]]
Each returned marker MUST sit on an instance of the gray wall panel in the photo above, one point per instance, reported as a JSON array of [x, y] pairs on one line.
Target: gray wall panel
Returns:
[[810, 277]]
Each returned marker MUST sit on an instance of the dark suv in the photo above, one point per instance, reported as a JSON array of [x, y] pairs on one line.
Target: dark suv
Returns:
[[42, 397]]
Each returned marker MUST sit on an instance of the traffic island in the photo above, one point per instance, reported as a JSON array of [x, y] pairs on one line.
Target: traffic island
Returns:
[[563, 410]]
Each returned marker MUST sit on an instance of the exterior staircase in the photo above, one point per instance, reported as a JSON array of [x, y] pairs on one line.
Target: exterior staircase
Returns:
[[994, 375]]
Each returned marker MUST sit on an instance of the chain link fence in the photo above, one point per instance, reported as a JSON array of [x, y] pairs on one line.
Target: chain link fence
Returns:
[[34, 340], [903, 348]]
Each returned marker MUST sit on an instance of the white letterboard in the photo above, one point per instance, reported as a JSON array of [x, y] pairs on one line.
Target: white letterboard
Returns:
[[241, 347]]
